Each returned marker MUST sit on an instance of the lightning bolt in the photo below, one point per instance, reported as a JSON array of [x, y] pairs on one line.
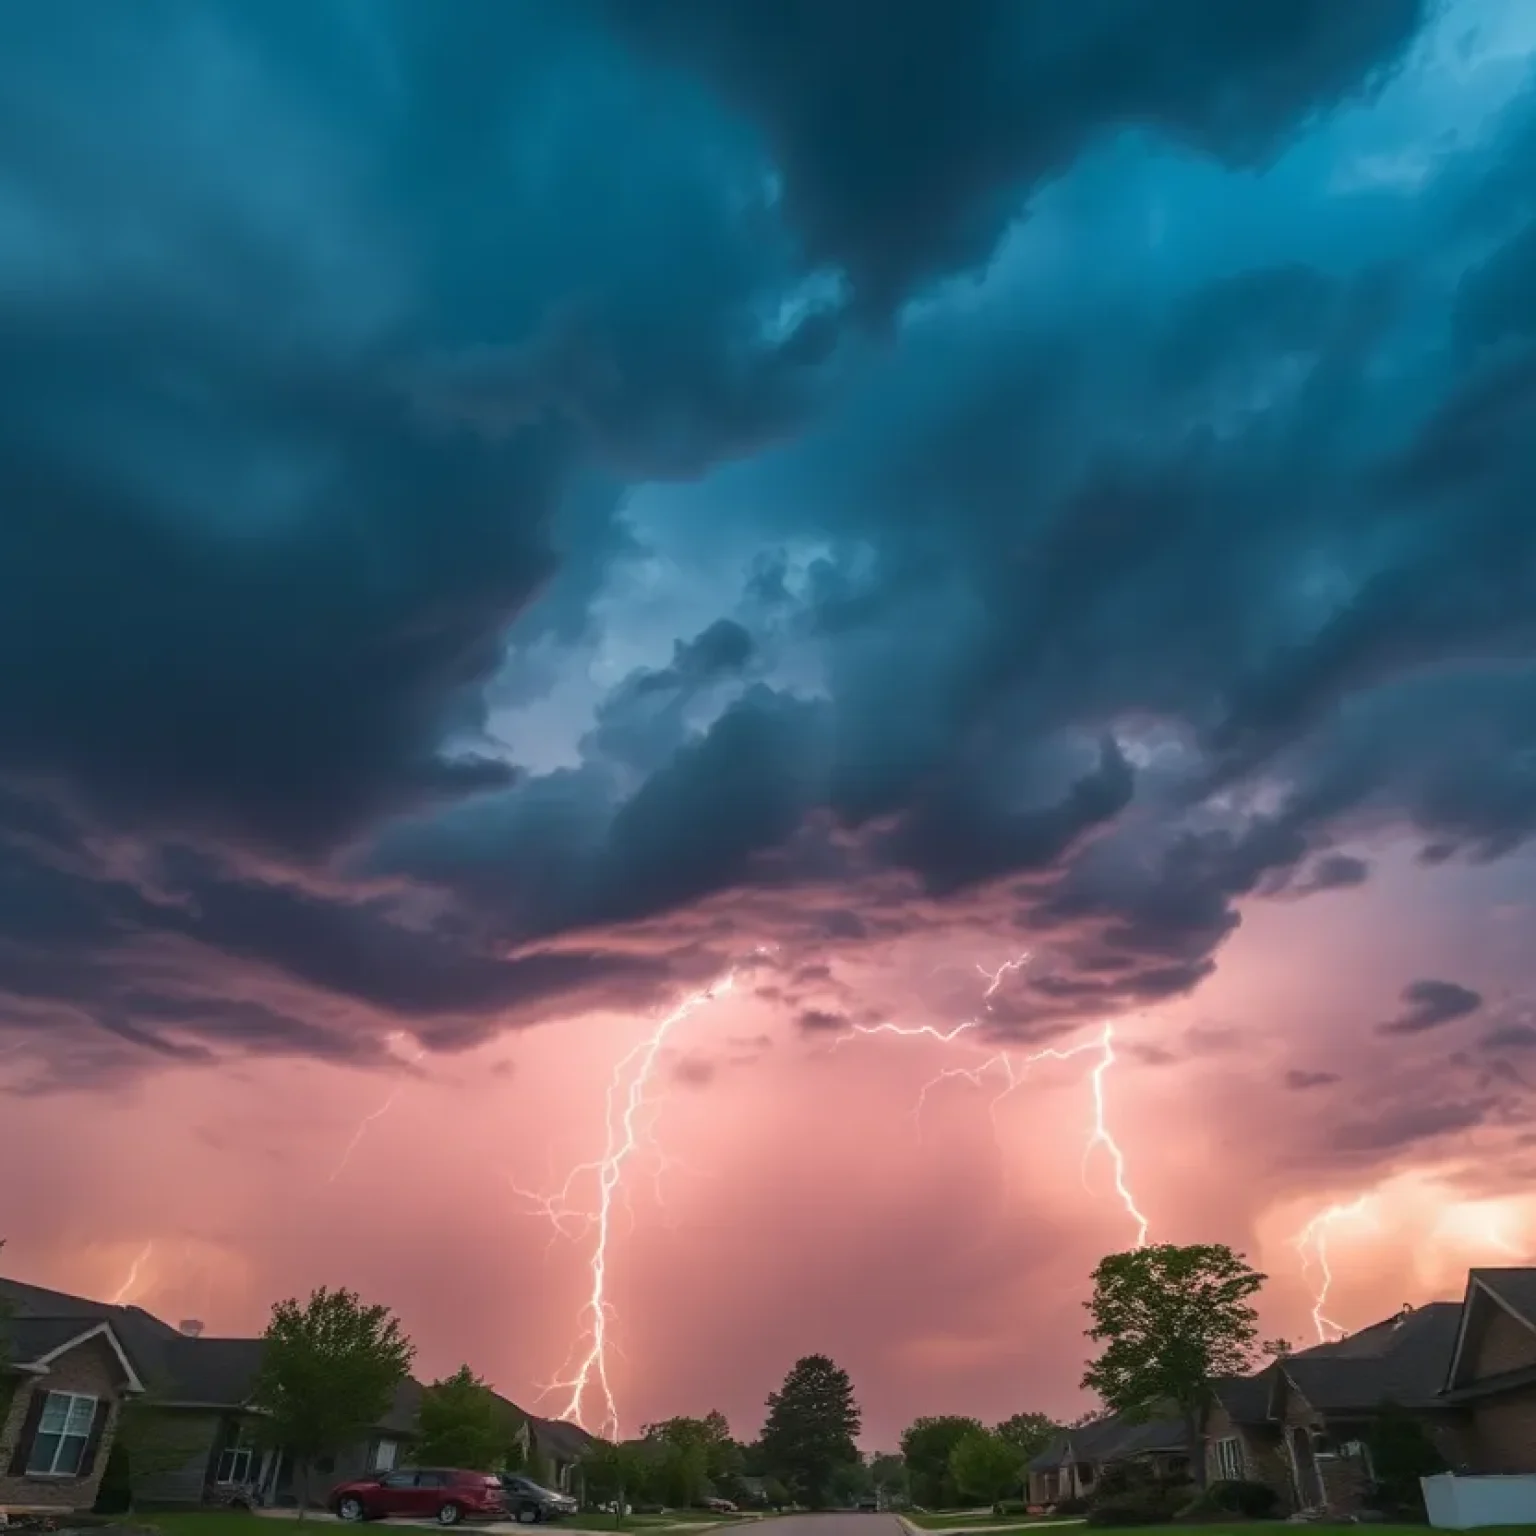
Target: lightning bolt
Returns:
[[1014, 1071], [1312, 1244], [373, 1115], [131, 1279], [586, 1371]]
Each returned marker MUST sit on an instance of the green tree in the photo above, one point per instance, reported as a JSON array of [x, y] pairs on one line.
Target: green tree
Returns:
[[811, 1426], [926, 1444], [1030, 1433], [985, 1467], [776, 1493], [615, 1474], [328, 1374], [8, 1383], [462, 1423], [888, 1472], [851, 1482], [711, 1436], [1171, 1319], [1401, 1453]]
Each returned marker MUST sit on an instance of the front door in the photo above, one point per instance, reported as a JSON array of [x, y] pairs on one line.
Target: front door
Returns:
[[1309, 1481]]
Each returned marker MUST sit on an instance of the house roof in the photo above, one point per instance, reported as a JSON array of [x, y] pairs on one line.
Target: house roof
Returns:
[[1246, 1398], [1514, 1290], [1403, 1359], [1112, 1439], [559, 1437]]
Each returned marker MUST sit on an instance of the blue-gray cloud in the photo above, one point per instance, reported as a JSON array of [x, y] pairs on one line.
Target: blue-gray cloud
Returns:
[[1053, 556]]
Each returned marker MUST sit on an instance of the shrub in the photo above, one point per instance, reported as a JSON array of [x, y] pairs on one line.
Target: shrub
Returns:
[[1070, 1506], [1154, 1504], [1228, 1497]]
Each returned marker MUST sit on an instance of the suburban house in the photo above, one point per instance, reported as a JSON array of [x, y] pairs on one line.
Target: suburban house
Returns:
[[73, 1362], [1465, 1369], [1072, 1465]]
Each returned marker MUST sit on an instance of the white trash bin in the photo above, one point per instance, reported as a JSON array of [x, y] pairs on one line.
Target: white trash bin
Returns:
[[1466, 1503]]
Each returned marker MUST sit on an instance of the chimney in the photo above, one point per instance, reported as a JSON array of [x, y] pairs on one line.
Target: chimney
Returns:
[[190, 1328]]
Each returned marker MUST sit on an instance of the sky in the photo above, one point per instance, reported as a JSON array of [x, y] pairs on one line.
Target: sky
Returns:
[[517, 516]]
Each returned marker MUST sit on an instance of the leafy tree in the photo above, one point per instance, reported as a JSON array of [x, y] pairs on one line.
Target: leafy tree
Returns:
[[1172, 1319], [851, 1482], [889, 1475], [1029, 1433], [1401, 1454], [986, 1467], [8, 1384], [461, 1423], [615, 1474], [927, 1444], [776, 1493], [1277, 1349], [328, 1373], [811, 1426], [720, 1456]]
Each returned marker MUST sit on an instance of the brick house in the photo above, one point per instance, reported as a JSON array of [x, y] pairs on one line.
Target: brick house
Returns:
[[1466, 1370], [1071, 1466], [1491, 1379], [202, 1387], [62, 1385]]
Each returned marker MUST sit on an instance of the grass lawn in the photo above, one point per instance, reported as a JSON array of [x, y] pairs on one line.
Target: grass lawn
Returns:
[[957, 1519], [1248, 1527]]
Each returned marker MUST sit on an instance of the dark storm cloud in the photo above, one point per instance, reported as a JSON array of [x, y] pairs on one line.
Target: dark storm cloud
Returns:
[[1300, 1080], [1086, 617], [1430, 1004], [907, 144], [257, 586], [1408, 1125]]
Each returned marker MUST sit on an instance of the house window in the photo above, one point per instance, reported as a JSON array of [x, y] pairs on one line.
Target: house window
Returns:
[[62, 1432], [1229, 1459], [384, 1455], [234, 1466]]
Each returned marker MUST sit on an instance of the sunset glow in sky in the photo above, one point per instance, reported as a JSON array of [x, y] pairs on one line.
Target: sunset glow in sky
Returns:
[[516, 513]]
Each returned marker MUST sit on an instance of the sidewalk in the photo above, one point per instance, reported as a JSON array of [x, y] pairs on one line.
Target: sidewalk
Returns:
[[512, 1528]]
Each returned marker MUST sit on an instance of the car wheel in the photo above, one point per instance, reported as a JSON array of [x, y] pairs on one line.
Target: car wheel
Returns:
[[349, 1509], [450, 1514], [527, 1515]]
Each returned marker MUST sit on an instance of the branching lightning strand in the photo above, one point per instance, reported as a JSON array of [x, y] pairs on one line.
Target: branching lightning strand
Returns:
[[1014, 1071], [626, 1135]]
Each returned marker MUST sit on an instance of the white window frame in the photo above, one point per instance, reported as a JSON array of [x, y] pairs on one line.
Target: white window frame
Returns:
[[238, 1456], [1231, 1465], [385, 1455], [70, 1400]]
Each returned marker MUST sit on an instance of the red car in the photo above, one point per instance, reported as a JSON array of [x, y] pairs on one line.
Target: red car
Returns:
[[423, 1493]]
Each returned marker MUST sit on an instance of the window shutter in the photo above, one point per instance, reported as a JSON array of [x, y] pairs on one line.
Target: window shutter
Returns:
[[93, 1440], [19, 1458]]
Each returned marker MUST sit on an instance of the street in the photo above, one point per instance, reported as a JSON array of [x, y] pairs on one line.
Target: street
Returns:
[[838, 1524]]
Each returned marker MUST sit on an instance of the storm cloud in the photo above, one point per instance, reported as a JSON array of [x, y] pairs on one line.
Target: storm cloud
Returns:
[[512, 507]]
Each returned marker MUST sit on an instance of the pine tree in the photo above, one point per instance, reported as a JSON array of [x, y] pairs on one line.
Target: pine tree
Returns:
[[811, 1428]]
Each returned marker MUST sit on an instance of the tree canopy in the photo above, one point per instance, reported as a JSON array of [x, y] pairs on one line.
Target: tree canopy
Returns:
[[1030, 1433], [811, 1428], [328, 1374], [986, 1467], [1172, 1320], [927, 1444], [462, 1423]]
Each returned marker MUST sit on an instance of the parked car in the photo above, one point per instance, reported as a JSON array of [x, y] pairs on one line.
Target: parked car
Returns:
[[531, 1503], [869, 1506], [444, 1494]]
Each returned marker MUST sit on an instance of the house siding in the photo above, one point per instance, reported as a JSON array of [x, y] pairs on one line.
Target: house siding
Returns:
[[92, 1369], [200, 1431], [1263, 1456], [1501, 1434]]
